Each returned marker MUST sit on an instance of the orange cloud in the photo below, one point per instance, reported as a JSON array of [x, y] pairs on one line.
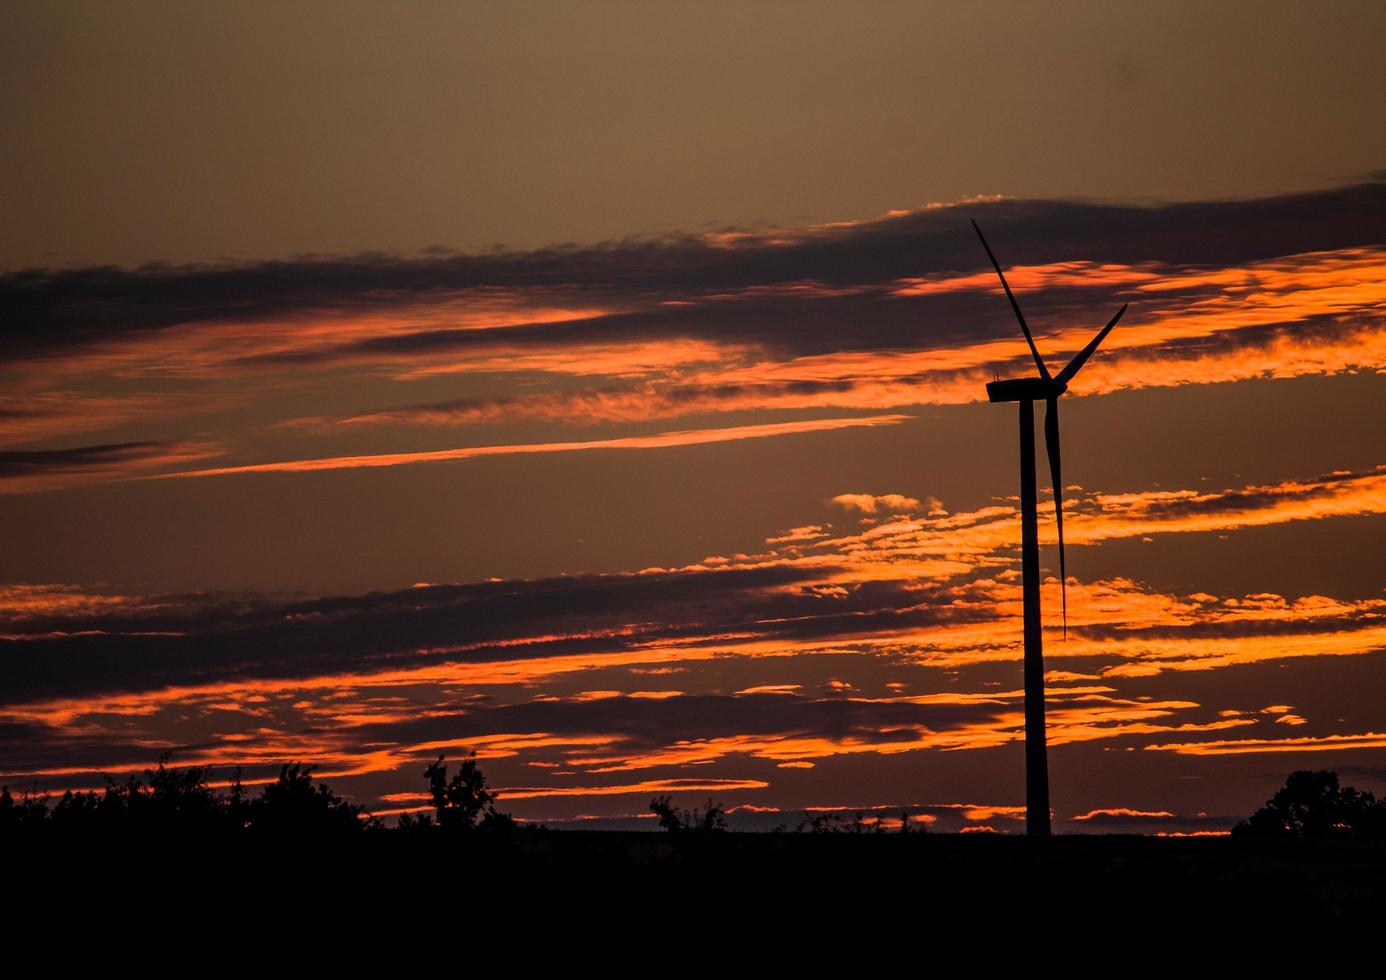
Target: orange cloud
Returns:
[[890, 503], [1324, 743], [1129, 629], [648, 786], [1124, 812]]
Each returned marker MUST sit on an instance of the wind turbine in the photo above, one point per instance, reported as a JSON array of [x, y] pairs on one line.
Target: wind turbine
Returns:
[[1027, 391]]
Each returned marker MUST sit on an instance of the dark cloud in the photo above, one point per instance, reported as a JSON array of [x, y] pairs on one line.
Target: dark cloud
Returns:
[[644, 724], [649, 399], [200, 643], [1248, 500], [1214, 629], [83, 459], [785, 325], [45, 469], [1309, 331], [31, 748], [47, 312]]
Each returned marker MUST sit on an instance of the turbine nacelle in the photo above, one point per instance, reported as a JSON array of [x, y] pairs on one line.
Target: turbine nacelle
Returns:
[[1025, 389]]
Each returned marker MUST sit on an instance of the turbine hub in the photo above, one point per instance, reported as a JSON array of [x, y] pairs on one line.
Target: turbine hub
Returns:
[[1025, 389]]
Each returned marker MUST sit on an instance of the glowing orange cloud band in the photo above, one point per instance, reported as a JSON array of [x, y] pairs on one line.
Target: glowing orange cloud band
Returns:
[[688, 374]]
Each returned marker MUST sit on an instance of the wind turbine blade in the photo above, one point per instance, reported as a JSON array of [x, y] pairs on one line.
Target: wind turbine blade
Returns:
[[1044, 371], [1078, 361], [1051, 445]]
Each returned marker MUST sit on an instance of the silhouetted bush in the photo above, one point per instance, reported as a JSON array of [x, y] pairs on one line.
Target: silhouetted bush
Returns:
[[1311, 804], [840, 823], [164, 802], [710, 820]]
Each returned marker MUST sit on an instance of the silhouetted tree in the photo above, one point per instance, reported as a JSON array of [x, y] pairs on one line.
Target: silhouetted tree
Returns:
[[1311, 804], [291, 806], [180, 800], [462, 803]]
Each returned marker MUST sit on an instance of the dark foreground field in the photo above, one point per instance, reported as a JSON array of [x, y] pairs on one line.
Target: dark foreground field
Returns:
[[1198, 883], [171, 848]]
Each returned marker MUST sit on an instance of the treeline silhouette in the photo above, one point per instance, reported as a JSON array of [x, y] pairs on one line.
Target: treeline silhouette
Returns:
[[183, 802], [189, 840]]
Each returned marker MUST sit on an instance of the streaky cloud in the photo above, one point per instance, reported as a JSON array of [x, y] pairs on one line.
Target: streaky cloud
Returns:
[[663, 440]]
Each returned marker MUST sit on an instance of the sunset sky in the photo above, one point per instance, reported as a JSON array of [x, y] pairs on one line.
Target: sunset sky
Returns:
[[600, 387]]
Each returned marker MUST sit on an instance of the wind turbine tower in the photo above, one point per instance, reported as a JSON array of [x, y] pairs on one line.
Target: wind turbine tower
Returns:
[[1027, 391]]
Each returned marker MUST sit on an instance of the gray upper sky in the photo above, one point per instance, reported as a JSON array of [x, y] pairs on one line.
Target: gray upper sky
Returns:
[[192, 132]]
